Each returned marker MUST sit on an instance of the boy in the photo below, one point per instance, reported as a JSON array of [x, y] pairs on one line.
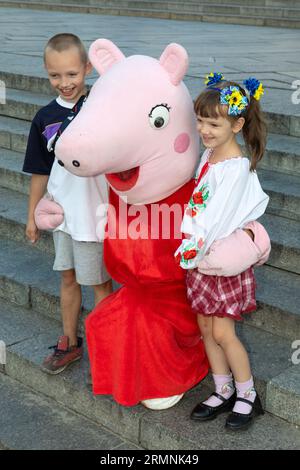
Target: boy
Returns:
[[78, 253]]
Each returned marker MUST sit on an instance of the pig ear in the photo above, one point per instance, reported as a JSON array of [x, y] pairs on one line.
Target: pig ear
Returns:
[[103, 54], [175, 61]]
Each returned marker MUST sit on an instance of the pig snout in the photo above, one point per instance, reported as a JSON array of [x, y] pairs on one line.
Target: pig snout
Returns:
[[68, 152]]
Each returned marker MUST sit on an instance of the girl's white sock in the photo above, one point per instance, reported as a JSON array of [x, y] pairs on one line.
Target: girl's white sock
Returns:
[[244, 390], [223, 386]]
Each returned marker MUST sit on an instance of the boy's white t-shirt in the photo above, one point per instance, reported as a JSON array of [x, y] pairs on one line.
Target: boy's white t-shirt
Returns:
[[83, 199]]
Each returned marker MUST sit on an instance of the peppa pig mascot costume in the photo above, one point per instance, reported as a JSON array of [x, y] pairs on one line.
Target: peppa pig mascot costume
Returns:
[[138, 128]]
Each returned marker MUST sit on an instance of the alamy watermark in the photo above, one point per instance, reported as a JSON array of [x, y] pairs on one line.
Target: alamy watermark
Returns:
[[2, 92], [2, 356], [296, 94], [296, 355], [152, 222]]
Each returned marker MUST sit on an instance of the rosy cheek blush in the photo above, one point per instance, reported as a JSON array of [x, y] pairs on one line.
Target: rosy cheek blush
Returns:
[[182, 142]]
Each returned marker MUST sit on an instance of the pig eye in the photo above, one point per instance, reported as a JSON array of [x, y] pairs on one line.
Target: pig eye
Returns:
[[159, 116]]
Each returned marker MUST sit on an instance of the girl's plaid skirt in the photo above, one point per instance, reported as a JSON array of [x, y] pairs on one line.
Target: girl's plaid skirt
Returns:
[[221, 296]]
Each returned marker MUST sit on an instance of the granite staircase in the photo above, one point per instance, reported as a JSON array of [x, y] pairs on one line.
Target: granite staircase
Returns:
[[30, 317], [275, 13]]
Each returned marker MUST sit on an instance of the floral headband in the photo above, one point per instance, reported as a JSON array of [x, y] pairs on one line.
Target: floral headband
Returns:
[[232, 96]]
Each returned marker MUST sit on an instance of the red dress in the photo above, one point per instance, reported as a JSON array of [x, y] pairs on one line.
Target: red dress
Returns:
[[143, 340]]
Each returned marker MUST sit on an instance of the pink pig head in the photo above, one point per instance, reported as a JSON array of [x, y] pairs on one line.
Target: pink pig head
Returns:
[[137, 126]]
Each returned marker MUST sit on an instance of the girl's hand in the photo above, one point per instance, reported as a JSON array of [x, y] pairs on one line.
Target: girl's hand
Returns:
[[250, 233], [239, 251], [32, 232]]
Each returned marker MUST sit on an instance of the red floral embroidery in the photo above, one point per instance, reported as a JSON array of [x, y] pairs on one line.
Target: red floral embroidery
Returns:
[[190, 254], [200, 243], [178, 258], [198, 198], [191, 212]]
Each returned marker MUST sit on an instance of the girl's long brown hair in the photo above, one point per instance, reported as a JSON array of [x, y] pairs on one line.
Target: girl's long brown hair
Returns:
[[254, 129]]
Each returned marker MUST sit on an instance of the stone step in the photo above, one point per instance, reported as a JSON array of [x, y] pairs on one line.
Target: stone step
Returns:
[[37, 287], [32, 421], [232, 14], [284, 192], [22, 104], [34, 83], [27, 336], [238, 9], [11, 175], [3, 447], [265, 12], [13, 218], [283, 189], [26, 94], [14, 135], [284, 233], [240, 3], [282, 152], [278, 291], [278, 296], [285, 239]]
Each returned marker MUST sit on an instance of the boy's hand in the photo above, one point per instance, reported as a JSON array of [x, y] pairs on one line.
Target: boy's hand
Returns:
[[32, 232]]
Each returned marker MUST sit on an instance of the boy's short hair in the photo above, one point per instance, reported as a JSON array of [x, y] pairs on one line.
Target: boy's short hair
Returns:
[[64, 41]]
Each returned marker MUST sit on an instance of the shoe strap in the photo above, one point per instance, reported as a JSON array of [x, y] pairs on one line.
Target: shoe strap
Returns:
[[219, 396], [62, 344], [244, 400]]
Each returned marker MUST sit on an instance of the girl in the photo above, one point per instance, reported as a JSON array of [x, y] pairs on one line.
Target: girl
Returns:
[[226, 197]]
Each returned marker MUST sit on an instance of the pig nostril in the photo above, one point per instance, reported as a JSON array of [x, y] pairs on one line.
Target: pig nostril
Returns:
[[76, 163], [61, 163]]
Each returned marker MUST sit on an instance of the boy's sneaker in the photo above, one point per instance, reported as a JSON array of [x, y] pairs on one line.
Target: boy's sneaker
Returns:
[[63, 355]]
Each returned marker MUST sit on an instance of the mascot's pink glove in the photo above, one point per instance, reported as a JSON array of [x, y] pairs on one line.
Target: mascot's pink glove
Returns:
[[48, 214], [234, 254]]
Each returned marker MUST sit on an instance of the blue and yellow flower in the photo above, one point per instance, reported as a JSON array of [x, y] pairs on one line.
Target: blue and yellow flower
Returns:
[[213, 78], [259, 92], [234, 99], [254, 87]]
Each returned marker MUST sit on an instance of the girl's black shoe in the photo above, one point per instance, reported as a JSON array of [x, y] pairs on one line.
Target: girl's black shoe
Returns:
[[204, 412], [237, 421]]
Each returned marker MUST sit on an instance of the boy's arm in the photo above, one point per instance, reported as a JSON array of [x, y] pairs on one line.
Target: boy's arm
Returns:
[[38, 187], [38, 161]]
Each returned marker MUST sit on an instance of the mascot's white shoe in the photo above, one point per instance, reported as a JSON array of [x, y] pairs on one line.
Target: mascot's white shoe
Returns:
[[162, 403]]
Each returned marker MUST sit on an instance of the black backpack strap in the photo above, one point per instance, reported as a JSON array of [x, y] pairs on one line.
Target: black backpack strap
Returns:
[[74, 111]]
